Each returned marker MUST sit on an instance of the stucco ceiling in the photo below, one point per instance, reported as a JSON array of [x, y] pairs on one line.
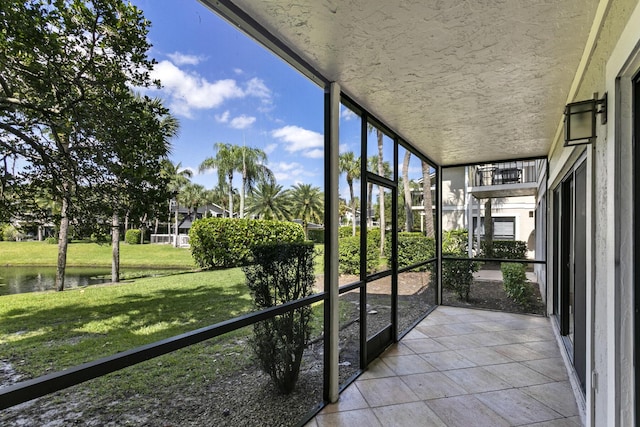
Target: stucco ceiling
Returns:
[[462, 80]]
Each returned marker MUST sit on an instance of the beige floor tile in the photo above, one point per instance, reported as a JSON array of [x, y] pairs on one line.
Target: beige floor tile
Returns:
[[408, 364], [548, 348], [311, 423], [457, 342], [519, 352], [561, 422], [482, 356], [476, 380], [358, 417], [350, 399], [386, 391], [433, 385], [557, 396], [408, 415], [518, 375], [377, 369], [425, 345], [446, 360], [465, 411], [398, 349], [414, 335], [517, 407], [553, 367]]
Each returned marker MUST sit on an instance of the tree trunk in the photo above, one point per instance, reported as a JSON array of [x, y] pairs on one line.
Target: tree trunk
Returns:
[[408, 222], [231, 195], [175, 229], [353, 209], [427, 202], [62, 244], [369, 205], [383, 224], [488, 228], [115, 248]]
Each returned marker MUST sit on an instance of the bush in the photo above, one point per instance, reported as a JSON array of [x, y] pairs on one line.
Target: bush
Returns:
[[10, 233], [505, 249], [316, 236], [515, 282], [347, 231], [412, 249], [457, 276], [227, 242], [281, 273], [51, 241], [132, 236], [455, 242], [349, 255]]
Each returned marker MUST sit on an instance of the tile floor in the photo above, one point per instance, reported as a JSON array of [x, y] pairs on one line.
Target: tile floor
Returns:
[[463, 367]]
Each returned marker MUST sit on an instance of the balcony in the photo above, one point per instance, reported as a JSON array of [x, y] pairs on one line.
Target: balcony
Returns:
[[516, 178]]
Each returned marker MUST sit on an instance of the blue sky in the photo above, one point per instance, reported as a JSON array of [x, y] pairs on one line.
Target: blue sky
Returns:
[[225, 87]]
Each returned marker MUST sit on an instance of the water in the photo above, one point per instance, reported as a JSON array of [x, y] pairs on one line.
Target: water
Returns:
[[17, 280]]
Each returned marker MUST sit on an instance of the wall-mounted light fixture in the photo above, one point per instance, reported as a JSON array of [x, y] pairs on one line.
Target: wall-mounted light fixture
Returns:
[[580, 120]]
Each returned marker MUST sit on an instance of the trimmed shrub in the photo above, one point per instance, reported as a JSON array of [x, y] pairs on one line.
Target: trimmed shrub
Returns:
[[316, 236], [347, 231], [457, 276], [51, 241], [505, 249], [227, 242], [349, 255], [514, 278], [132, 236], [281, 273], [11, 233], [455, 241], [412, 249]]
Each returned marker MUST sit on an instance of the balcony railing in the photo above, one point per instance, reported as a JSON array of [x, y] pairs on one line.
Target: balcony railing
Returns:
[[516, 172]]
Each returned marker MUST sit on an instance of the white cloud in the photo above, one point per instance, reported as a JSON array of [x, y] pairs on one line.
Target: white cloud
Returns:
[[184, 59], [222, 118], [238, 71], [188, 91], [347, 114], [297, 139], [284, 171], [270, 148], [242, 122], [315, 154]]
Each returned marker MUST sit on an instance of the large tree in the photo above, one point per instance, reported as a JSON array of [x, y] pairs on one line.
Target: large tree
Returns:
[[269, 201], [227, 160], [66, 68], [253, 170], [349, 165], [178, 177], [406, 186], [306, 205]]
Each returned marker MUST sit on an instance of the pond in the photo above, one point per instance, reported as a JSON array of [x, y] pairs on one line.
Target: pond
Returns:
[[17, 280]]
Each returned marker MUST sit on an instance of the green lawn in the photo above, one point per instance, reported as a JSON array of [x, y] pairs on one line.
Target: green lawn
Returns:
[[48, 331], [93, 254]]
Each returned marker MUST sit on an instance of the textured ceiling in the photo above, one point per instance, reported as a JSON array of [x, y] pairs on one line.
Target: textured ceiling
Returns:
[[463, 81]]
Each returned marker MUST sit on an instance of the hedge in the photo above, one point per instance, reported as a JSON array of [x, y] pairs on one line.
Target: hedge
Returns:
[[349, 255], [413, 247], [227, 242], [132, 236], [505, 249], [316, 236], [515, 283]]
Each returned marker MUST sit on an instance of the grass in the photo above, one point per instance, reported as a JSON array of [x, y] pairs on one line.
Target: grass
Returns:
[[95, 255], [49, 331]]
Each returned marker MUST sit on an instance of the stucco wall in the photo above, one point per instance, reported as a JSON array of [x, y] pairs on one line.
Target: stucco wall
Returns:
[[609, 399]]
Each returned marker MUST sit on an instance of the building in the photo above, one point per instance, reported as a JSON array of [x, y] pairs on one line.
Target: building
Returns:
[[461, 84]]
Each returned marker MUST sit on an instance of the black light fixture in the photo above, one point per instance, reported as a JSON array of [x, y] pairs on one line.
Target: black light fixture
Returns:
[[580, 120]]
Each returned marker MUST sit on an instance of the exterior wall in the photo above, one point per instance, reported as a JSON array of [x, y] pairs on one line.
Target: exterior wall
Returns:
[[609, 396]]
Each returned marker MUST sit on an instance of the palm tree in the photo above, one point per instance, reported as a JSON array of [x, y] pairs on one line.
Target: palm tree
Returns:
[[427, 203], [306, 204], [178, 179], [408, 224], [350, 165], [252, 170], [192, 197], [227, 160], [384, 169], [268, 201]]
